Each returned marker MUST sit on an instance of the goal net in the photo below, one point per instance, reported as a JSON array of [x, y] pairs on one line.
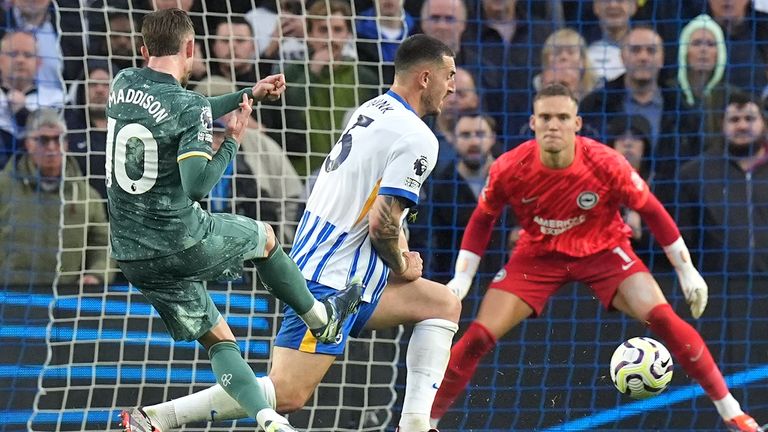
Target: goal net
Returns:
[[73, 355]]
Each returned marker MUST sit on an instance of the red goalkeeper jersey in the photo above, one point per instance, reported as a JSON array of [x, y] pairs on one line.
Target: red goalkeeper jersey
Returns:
[[574, 210]]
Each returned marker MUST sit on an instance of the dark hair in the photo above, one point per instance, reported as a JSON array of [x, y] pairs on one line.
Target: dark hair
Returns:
[[635, 124], [165, 30], [740, 98], [418, 49], [475, 114], [235, 20], [555, 89]]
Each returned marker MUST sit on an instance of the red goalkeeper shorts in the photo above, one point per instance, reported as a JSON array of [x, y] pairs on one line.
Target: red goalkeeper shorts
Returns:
[[536, 279]]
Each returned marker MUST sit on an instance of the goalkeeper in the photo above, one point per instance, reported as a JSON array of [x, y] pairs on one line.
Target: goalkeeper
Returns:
[[566, 192], [159, 164]]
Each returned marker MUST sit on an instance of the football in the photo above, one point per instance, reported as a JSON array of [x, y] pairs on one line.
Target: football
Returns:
[[641, 367]]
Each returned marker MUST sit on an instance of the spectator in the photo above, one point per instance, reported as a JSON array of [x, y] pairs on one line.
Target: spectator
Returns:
[[32, 186], [87, 122], [630, 136], [639, 92], [266, 187], [20, 92], [280, 30], [746, 37], [380, 29], [57, 35], [702, 60], [121, 42], [464, 100], [565, 49], [322, 89], [499, 50], [723, 202], [453, 191], [569, 77], [234, 53], [605, 51], [446, 21]]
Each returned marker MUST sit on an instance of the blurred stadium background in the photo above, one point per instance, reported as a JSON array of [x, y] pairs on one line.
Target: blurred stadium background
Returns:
[[73, 355]]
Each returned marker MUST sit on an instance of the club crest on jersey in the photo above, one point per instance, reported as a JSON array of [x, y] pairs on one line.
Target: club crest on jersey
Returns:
[[206, 118], [500, 275], [587, 200], [420, 166]]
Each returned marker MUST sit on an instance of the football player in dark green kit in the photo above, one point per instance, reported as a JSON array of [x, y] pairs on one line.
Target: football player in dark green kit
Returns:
[[159, 164]]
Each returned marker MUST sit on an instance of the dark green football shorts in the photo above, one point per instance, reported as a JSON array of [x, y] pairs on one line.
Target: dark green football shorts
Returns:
[[174, 284]]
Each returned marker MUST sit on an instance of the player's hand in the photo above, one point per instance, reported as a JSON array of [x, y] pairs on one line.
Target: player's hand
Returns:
[[694, 289], [693, 285], [270, 88], [238, 122], [460, 285], [414, 266]]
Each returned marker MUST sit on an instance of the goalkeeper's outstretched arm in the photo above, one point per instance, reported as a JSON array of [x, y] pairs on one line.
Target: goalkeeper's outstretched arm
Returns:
[[668, 235]]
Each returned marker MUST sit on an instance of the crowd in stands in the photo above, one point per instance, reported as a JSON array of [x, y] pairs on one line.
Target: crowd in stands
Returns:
[[679, 87]]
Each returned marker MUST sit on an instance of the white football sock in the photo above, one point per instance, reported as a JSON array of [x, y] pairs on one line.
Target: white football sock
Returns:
[[428, 352], [316, 317], [728, 407], [211, 404]]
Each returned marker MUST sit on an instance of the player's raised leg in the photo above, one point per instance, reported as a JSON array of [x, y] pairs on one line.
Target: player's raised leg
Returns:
[[640, 296], [434, 311], [282, 277]]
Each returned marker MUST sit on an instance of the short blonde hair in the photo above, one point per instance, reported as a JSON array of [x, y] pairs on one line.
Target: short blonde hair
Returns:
[[570, 37]]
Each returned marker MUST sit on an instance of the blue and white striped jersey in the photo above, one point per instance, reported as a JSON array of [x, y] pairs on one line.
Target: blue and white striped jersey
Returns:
[[386, 149]]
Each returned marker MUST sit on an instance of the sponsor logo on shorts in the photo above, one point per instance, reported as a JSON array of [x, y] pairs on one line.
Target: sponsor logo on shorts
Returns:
[[628, 265]]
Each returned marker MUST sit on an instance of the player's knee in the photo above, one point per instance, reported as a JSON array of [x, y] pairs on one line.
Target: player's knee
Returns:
[[449, 306], [291, 400], [289, 395]]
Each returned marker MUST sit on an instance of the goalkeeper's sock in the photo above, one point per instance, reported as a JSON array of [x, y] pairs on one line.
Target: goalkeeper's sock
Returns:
[[211, 404], [689, 349], [465, 356], [427, 356], [284, 280], [728, 407], [236, 377]]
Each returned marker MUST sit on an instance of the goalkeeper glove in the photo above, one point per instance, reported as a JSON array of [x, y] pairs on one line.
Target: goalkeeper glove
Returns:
[[465, 269], [693, 285]]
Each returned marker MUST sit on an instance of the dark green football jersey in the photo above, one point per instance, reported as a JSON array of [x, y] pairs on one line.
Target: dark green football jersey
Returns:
[[153, 123]]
